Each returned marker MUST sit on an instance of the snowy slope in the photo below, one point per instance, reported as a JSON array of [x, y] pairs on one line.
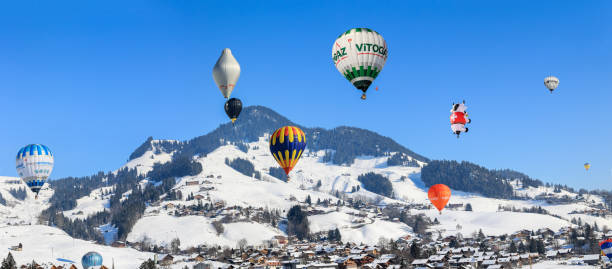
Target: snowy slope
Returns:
[[144, 164], [17, 211], [93, 203], [46, 244]]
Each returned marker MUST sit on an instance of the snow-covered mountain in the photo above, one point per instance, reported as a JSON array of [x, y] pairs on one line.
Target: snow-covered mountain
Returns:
[[327, 172]]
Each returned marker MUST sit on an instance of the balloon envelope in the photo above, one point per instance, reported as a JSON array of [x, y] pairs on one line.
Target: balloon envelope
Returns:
[[587, 166], [91, 260], [287, 145], [226, 72], [551, 83], [34, 165], [606, 247], [233, 107], [439, 195], [359, 55]]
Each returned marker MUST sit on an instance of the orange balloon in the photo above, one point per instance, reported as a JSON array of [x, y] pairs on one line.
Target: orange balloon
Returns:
[[439, 195]]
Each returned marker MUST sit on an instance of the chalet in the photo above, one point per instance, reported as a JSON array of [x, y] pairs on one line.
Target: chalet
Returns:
[[198, 197], [372, 251], [551, 254], [192, 183], [198, 258], [101, 267], [118, 244], [169, 206], [166, 260], [17, 247], [273, 264], [347, 263], [591, 259], [419, 263], [565, 252]]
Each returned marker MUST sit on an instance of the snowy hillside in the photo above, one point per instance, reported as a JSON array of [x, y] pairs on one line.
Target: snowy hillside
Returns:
[[237, 204], [220, 183]]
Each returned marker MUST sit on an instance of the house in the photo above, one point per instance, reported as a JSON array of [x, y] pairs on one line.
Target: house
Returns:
[[347, 263], [198, 197], [118, 244], [198, 258], [192, 183], [273, 264], [166, 260], [419, 263], [17, 247], [592, 259]]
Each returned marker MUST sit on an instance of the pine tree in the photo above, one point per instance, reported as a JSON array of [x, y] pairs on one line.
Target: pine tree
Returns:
[[9, 262], [415, 250], [513, 247], [308, 200]]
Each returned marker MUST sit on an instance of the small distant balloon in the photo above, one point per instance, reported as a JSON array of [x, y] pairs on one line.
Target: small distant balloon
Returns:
[[587, 166], [551, 83]]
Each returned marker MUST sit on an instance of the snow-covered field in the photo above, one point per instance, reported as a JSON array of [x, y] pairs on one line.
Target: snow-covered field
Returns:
[[47, 244], [197, 230]]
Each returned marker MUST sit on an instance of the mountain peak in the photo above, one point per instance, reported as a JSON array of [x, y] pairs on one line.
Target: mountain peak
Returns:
[[344, 143]]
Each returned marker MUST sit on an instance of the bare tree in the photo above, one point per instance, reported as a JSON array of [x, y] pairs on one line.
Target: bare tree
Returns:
[[242, 243]]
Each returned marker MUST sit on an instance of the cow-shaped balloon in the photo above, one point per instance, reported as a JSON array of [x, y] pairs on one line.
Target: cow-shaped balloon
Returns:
[[459, 118]]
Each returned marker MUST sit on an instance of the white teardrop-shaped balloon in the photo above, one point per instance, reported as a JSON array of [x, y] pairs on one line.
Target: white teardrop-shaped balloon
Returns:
[[551, 83], [226, 72], [359, 55]]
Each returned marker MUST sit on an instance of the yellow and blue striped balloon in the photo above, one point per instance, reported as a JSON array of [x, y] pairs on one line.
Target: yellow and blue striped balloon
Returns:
[[287, 145]]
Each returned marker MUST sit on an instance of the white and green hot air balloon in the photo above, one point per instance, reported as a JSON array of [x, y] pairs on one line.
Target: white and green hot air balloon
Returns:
[[226, 72], [551, 83], [34, 165], [360, 54]]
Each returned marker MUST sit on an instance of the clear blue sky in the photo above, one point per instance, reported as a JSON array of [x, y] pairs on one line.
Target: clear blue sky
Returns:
[[93, 79]]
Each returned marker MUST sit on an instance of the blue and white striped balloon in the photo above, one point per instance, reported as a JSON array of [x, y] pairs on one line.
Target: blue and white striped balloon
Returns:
[[91, 260], [34, 165]]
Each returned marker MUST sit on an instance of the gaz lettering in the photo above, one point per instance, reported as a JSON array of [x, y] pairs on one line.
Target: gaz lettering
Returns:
[[339, 53]]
